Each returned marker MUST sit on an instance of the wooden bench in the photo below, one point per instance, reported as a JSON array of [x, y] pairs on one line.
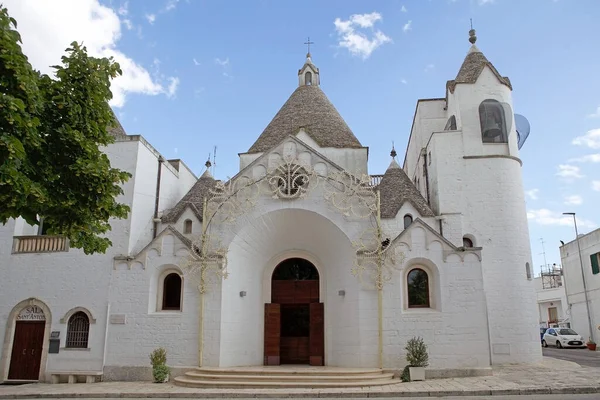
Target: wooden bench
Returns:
[[90, 376]]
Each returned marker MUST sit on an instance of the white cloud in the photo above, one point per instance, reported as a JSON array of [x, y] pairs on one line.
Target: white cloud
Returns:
[[484, 2], [533, 193], [404, 81], [172, 88], [47, 29], [573, 200], [196, 63], [595, 114], [429, 67], [591, 158], [128, 24], [222, 63], [596, 186], [569, 171], [124, 9], [546, 217], [171, 4], [151, 18], [591, 139], [407, 26], [359, 43], [403, 9]]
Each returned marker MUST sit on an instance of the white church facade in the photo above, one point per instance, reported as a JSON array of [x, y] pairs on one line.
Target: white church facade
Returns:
[[303, 257]]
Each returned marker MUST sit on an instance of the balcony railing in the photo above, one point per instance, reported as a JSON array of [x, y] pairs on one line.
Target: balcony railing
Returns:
[[39, 244]]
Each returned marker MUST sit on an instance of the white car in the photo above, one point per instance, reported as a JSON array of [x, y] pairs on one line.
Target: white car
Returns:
[[562, 337]]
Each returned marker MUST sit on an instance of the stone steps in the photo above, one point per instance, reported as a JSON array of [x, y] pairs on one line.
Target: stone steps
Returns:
[[284, 377]]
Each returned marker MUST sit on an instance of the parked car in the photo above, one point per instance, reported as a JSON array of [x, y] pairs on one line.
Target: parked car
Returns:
[[562, 337], [542, 331]]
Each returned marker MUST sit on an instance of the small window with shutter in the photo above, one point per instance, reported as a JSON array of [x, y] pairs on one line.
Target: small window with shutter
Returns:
[[595, 258]]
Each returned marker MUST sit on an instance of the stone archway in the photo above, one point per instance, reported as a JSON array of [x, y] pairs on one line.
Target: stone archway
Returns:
[[294, 319], [26, 341]]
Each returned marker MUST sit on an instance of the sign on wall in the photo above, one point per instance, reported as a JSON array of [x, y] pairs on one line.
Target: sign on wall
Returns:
[[31, 313]]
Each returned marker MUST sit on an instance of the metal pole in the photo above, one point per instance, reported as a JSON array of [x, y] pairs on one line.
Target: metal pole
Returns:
[[379, 283], [587, 306]]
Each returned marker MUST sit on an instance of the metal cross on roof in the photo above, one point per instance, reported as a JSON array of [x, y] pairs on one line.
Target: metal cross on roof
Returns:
[[308, 43]]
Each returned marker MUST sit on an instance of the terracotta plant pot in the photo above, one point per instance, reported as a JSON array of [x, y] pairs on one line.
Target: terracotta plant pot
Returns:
[[591, 346]]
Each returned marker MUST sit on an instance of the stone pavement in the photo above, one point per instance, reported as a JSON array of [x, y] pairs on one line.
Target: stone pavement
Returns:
[[552, 376]]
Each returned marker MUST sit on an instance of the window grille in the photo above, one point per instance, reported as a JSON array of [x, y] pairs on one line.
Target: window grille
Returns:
[[78, 331]]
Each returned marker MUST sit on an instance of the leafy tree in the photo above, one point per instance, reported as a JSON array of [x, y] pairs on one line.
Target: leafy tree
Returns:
[[51, 134]]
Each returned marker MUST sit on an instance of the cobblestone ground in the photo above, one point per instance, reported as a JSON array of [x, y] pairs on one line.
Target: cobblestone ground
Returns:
[[551, 376]]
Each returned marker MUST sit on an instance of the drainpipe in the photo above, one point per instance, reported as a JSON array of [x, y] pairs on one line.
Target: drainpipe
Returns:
[[426, 173], [156, 220]]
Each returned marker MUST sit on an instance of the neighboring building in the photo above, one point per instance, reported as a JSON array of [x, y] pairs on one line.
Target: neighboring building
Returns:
[[290, 229], [551, 297], [574, 285]]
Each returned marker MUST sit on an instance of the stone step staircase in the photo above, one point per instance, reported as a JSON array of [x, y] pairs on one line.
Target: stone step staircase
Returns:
[[284, 377]]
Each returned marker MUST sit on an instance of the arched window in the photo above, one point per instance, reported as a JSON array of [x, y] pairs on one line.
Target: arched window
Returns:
[[528, 270], [187, 226], [418, 288], [407, 220], [308, 78], [493, 122], [171, 299], [451, 124], [78, 331], [467, 242]]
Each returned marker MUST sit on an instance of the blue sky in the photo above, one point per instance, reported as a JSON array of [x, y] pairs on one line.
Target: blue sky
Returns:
[[199, 74]]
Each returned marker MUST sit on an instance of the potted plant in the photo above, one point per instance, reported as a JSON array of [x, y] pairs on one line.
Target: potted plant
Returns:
[[417, 358], [591, 345], [160, 371]]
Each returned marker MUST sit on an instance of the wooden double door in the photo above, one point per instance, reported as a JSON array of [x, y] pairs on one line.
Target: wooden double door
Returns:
[[294, 320], [26, 353]]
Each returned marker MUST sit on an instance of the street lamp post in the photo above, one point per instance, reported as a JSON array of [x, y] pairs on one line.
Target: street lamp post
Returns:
[[587, 305]]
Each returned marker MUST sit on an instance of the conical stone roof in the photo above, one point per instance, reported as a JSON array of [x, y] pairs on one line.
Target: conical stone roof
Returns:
[[472, 67], [307, 108], [194, 198], [396, 188]]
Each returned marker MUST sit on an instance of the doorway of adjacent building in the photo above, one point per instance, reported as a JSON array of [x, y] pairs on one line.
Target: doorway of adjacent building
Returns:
[[27, 346], [294, 320]]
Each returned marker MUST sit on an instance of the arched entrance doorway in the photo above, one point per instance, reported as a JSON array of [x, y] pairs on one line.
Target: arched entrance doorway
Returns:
[[26, 355], [294, 320]]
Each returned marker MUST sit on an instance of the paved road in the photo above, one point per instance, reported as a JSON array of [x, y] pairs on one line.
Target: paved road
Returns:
[[534, 397], [580, 356]]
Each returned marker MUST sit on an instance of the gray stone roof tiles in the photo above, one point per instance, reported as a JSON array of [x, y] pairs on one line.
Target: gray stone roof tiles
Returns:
[[194, 198], [307, 108], [396, 188], [472, 67]]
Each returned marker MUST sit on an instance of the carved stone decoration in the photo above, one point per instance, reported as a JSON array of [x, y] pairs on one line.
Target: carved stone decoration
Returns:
[[290, 180]]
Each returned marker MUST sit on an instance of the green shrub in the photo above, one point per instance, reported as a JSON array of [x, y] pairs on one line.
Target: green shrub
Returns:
[[405, 377], [160, 373], [158, 357], [416, 353]]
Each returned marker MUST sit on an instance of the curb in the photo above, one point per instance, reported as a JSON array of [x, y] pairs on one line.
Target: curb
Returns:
[[258, 395]]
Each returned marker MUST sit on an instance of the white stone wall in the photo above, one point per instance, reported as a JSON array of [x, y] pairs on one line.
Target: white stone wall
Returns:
[[590, 244]]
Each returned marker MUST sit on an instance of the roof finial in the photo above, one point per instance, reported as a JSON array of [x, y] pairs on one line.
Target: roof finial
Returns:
[[208, 164], [472, 37], [393, 152], [308, 43]]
